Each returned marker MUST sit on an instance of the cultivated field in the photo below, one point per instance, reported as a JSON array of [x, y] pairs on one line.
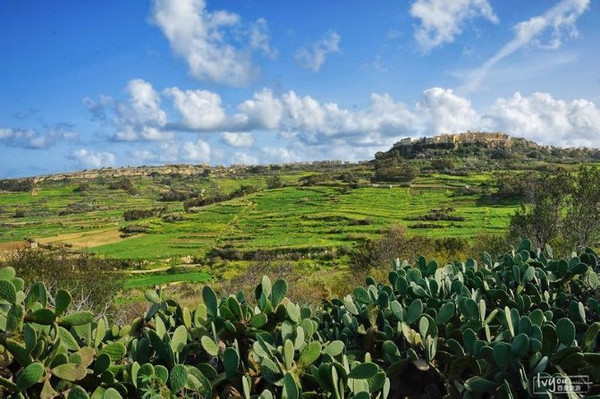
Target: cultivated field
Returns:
[[317, 221]]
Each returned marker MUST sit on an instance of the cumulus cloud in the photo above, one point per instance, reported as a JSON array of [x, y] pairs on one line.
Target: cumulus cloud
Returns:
[[90, 159], [33, 139], [312, 129], [280, 155], [440, 110], [205, 40], [264, 111], [313, 58], [198, 151], [547, 120], [241, 140], [200, 109], [291, 113], [307, 123], [317, 122], [143, 107], [442, 20], [241, 158], [139, 118], [546, 31]]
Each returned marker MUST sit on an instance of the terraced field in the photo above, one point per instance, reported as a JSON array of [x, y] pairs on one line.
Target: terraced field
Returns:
[[294, 217]]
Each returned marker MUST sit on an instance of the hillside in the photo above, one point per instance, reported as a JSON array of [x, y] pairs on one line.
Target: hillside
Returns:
[[185, 222], [485, 145]]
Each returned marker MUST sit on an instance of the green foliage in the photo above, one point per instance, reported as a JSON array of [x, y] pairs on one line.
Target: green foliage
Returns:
[[488, 327], [560, 206], [90, 281]]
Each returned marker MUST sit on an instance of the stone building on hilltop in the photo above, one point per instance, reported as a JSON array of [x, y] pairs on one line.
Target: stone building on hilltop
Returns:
[[457, 139]]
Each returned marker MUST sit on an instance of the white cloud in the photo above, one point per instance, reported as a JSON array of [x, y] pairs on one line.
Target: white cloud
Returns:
[[198, 151], [172, 152], [559, 22], [139, 118], [264, 111], [442, 20], [547, 120], [33, 139], [143, 107], [241, 140], [315, 57], [441, 111], [258, 37], [90, 159], [280, 155], [200, 109], [241, 158], [317, 122], [202, 38]]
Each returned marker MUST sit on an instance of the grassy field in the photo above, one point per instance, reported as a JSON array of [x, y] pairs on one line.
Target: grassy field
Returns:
[[323, 217], [151, 281]]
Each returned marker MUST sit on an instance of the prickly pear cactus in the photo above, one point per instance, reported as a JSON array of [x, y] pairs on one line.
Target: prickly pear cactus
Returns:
[[459, 330]]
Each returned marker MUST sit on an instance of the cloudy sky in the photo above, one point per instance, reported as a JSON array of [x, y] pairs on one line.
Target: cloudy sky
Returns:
[[89, 84]]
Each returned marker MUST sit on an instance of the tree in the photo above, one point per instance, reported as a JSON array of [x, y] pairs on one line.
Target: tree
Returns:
[[442, 164], [540, 217], [582, 221]]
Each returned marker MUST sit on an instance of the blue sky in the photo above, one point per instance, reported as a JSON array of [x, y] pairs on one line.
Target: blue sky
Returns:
[[91, 84]]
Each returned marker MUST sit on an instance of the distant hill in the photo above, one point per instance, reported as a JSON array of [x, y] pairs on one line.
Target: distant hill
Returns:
[[486, 145]]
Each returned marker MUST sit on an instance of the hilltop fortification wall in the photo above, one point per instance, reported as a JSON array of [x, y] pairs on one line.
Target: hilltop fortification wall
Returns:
[[493, 139]]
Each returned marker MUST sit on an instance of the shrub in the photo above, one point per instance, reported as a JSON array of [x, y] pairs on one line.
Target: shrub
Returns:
[[82, 187], [274, 182], [136, 214], [133, 229], [313, 180], [172, 217], [91, 280], [20, 213], [176, 195], [78, 207], [17, 185], [442, 164], [124, 184]]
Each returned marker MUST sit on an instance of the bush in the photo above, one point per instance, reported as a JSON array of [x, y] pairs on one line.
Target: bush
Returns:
[[133, 229], [398, 173], [172, 217], [442, 164], [136, 214], [176, 195], [274, 182], [78, 207], [17, 185], [91, 280], [124, 184], [218, 197], [439, 214], [20, 213], [82, 187], [314, 180]]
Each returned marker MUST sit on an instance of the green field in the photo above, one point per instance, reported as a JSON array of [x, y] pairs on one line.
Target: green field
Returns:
[[326, 216], [144, 282]]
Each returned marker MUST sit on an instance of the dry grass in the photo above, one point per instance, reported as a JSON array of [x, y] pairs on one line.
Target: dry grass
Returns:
[[86, 239]]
